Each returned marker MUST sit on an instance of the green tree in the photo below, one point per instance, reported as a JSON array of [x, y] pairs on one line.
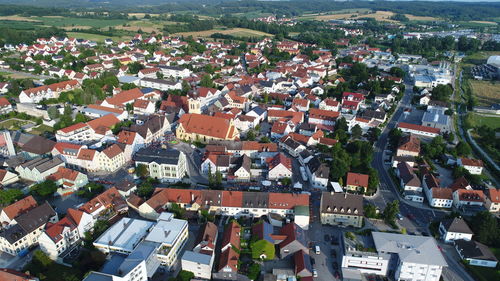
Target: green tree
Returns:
[[185, 86], [206, 81], [341, 162], [184, 275], [463, 149], [486, 229], [145, 189], [390, 212], [135, 67], [177, 210], [356, 132], [370, 211], [44, 189], [53, 112], [8, 196], [395, 136], [254, 271], [250, 135], [141, 171], [80, 118]]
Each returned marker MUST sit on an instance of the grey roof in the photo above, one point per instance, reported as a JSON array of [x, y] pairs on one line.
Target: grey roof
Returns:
[[341, 203], [369, 114], [409, 248], [42, 164], [160, 156], [153, 124], [142, 253], [407, 175], [255, 200], [39, 145], [258, 110], [159, 81], [196, 257], [457, 225], [127, 79], [474, 250], [13, 233], [99, 111], [36, 217], [435, 115]]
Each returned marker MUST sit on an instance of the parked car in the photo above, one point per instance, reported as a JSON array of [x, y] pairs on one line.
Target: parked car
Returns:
[[315, 273], [400, 217]]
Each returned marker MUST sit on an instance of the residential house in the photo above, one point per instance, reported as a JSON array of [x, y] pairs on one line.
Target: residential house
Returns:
[[200, 260], [295, 239], [357, 182], [26, 228], [410, 183], [279, 167], [474, 166], [475, 253], [409, 146], [341, 209], [454, 229], [163, 164]]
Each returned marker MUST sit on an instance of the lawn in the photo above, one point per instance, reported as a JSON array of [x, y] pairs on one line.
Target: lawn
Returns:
[[486, 92], [492, 121], [95, 37], [41, 129], [13, 124], [484, 273]]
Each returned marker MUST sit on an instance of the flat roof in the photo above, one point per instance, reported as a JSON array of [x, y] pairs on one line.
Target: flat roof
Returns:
[[410, 248], [196, 257], [125, 234], [167, 229]]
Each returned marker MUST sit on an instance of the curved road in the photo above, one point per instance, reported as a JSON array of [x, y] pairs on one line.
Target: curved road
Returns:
[[388, 191]]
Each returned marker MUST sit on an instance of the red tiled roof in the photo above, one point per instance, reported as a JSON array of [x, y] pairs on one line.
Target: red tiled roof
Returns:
[[206, 125], [112, 151], [356, 179], [4, 102], [124, 97], [471, 162], [20, 207], [442, 193], [418, 128], [470, 195], [279, 158], [73, 127]]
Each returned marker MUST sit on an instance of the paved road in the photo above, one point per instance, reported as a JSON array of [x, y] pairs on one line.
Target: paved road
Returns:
[[465, 135], [388, 191], [193, 158]]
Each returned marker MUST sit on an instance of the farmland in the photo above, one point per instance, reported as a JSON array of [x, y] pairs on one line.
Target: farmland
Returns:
[[486, 92], [363, 13], [95, 37], [237, 32]]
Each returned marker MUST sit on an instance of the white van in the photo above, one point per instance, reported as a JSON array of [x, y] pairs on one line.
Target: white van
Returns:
[[317, 250]]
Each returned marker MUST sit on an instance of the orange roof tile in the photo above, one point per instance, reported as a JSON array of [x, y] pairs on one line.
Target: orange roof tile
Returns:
[[20, 207]]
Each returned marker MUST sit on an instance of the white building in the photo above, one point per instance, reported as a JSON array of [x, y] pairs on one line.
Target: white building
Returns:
[[163, 164], [454, 229], [160, 84], [474, 166], [418, 257]]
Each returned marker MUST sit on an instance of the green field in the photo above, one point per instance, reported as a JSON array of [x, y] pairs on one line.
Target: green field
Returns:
[[492, 121], [67, 21], [95, 37]]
